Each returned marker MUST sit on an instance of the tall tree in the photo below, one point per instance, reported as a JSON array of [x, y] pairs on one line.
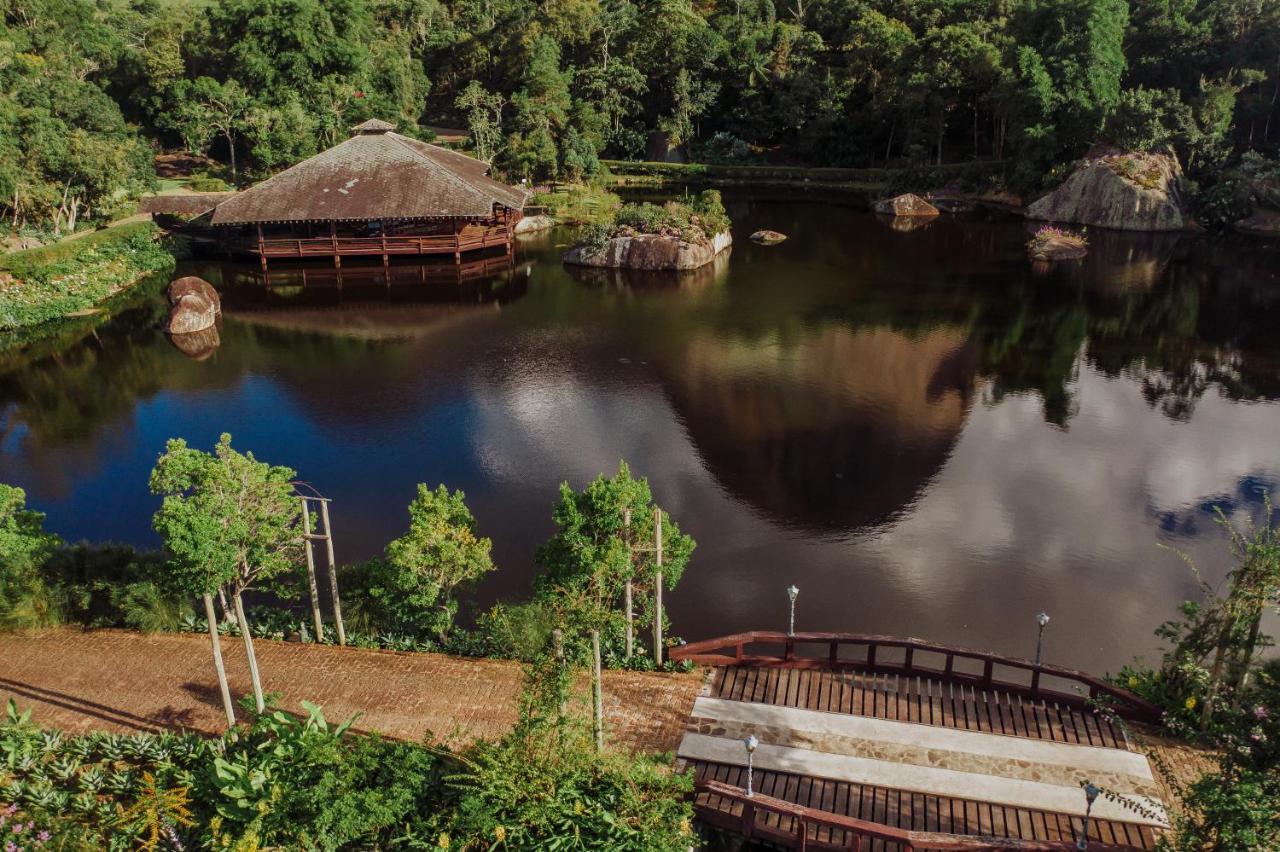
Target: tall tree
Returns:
[[227, 520]]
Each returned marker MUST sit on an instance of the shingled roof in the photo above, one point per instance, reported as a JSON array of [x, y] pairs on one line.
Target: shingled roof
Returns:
[[376, 174]]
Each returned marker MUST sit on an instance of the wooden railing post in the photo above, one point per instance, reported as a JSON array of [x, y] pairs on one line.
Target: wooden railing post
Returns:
[[950, 666], [790, 653], [871, 657], [834, 657], [1035, 682], [987, 672], [804, 835], [906, 662], [748, 819]]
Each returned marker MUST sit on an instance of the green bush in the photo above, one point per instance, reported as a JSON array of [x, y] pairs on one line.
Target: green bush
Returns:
[[292, 782], [695, 219]]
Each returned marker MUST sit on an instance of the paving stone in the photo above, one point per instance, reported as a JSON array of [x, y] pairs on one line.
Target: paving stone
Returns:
[[116, 680]]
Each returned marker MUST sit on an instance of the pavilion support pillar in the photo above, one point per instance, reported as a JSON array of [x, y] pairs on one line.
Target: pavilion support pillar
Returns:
[[262, 249], [333, 241]]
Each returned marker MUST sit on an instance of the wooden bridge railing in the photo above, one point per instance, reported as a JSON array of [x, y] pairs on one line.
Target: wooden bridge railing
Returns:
[[732, 651], [737, 812], [349, 246]]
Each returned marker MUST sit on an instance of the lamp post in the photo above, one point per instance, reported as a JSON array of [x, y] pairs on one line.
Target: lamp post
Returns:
[[1090, 795], [792, 591], [1042, 619], [750, 744]]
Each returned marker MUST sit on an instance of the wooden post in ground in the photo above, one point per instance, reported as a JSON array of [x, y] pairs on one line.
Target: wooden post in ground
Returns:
[[597, 694], [311, 571], [657, 588], [333, 572], [626, 532], [212, 618]]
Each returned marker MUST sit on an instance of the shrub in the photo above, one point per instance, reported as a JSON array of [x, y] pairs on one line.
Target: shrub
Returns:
[[207, 184]]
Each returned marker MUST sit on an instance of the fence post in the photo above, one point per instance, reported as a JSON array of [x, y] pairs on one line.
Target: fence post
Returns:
[[986, 672]]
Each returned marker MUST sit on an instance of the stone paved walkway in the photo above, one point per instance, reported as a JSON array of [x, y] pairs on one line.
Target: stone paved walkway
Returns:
[[123, 681]]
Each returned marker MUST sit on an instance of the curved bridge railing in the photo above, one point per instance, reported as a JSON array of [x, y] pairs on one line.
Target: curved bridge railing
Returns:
[[913, 657], [798, 827]]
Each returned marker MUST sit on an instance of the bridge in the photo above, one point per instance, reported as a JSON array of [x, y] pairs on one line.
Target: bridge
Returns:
[[881, 743]]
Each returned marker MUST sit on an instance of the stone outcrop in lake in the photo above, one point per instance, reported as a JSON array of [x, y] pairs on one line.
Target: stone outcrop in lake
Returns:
[[767, 237], [1128, 192], [907, 204], [1050, 244], [532, 224], [195, 306], [649, 251]]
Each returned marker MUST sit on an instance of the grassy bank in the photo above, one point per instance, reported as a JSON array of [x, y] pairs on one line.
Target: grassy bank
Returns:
[[578, 204], [44, 284], [977, 174]]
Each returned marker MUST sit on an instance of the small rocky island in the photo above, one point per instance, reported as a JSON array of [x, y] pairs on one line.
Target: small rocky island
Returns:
[[678, 235]]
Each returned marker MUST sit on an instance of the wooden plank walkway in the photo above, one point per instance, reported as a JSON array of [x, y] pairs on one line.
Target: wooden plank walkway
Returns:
[[907, 810], [917, 699]]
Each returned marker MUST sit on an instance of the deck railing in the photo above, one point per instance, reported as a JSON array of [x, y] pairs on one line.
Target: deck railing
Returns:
[[383, 245], [994, 668], [798, 827]]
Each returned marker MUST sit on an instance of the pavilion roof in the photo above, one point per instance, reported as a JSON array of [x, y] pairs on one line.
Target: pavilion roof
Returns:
[[376, 174]]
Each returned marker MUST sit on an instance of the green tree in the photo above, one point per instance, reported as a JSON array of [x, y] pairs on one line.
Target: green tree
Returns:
[[24, 548], [414, 586], [228, 521], [484, 118]]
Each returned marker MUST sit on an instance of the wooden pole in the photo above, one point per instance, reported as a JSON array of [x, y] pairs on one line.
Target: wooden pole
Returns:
[[247, 634], [223, 687], [626, 527], [311, 571], [333, 572], [657, 588], [597, 694]]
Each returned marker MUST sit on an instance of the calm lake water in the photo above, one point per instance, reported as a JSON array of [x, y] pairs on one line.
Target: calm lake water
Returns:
[[919, 431]]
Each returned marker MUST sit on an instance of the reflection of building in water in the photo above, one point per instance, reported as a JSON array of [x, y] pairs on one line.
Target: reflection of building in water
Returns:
[[492, 279], [838, 431]]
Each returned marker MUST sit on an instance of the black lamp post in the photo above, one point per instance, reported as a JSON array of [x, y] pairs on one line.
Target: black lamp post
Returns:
[[1090, 796], [1042, 619]]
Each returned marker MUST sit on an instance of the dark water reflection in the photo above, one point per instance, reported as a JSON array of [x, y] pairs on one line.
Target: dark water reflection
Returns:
[[916, 428]]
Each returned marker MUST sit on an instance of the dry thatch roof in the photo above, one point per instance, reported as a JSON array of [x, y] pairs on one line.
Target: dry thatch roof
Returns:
[[376, 174], [190, 204]]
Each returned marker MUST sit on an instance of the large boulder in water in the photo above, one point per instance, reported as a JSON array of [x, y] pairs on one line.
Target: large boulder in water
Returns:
[[192, 312], [649, 251], [768, 238], [189, 284], [1128, 192], [906, 205], [198, 345]]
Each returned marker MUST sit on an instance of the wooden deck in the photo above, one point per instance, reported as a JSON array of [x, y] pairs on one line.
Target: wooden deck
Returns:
[[819, 769], [918, 699], [468, 240]]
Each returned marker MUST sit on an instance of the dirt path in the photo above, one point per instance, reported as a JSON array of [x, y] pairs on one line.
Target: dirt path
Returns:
[[121, 681]]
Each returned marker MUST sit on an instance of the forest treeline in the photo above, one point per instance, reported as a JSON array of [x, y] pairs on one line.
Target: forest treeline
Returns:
[[89, 90]]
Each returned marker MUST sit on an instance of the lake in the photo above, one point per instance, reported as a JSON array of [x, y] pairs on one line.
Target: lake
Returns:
[[917, 429]]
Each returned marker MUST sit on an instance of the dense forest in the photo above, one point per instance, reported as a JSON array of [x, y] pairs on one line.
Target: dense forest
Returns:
[[89, 91]]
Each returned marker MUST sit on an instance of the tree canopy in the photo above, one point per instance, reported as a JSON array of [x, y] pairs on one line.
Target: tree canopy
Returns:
[[87, 89]]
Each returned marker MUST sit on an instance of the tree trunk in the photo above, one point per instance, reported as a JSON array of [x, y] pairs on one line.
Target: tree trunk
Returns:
[[942, 129], [248, 649], [223, 686], [597, 693], [657, 589], [231, 151], [227, 615], [626, 526]]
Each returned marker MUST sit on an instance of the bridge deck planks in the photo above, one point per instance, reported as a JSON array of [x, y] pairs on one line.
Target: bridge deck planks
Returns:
[[907, 810], [916, 699]]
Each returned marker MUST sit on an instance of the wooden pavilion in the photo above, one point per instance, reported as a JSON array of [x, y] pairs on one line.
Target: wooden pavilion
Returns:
[[376, 194]]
